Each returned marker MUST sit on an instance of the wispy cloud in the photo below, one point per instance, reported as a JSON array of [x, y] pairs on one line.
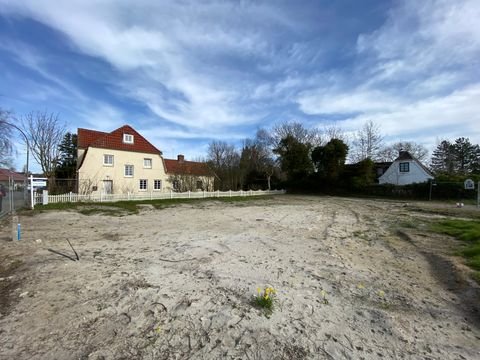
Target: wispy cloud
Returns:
[[184, 49], [417, 75], [186, 71]]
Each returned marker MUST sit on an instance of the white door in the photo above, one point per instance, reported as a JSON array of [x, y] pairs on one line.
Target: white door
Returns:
[[108, 186]]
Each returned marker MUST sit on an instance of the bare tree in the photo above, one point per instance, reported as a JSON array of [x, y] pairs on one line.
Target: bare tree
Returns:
[[333, 131], [367, 143], [298, 131], [6, 144], [45, 133], [391, 152], [224, 160], [257, 161]]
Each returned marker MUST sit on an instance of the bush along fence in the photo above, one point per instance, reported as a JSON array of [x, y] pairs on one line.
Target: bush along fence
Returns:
[[45, 198]]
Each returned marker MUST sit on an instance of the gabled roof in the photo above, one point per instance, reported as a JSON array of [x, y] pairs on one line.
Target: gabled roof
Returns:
[[87, 136], [182, 167], [405, 155], [114, 140], [5, 174]]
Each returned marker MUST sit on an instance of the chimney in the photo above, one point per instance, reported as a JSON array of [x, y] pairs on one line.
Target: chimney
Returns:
[[180, 158]]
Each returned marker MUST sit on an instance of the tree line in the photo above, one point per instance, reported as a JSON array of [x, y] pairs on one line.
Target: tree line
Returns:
[[287, 155], [293, 156]]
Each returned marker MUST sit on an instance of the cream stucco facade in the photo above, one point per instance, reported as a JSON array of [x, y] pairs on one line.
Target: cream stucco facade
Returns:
[[104, 171]]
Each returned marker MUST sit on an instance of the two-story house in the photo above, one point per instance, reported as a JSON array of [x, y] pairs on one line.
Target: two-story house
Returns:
[[123, 161]]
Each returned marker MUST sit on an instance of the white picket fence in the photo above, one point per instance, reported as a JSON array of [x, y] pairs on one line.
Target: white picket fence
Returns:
[[45, 198]]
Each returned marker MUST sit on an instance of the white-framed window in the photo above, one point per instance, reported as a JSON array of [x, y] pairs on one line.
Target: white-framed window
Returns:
[[128, 170], [404, 167], [143, 184], [107, 160], [128, 138], [147, 163], [157, 184]]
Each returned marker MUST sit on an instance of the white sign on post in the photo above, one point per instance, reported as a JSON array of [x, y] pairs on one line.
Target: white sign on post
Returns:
[[35, 183], [39, 183], [469, 184]]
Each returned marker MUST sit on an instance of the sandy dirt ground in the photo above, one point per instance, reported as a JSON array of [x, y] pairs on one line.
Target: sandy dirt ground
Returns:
[[355, 280]]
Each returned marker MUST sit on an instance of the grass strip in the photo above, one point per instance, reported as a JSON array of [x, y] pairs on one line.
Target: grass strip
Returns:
[[468, 232], [119, 208]]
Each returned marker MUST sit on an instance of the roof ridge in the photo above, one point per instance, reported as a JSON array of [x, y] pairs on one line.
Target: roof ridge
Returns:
[[112, 141]]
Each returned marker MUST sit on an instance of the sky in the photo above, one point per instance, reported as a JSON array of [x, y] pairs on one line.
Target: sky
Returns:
[[186, 72]]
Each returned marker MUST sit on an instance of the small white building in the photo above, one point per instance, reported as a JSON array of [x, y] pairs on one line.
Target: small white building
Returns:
[[405, 170]]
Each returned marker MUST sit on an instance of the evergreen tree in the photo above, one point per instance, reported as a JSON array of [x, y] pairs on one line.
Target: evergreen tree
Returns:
[[330, 159], [466, 155], [67, 163], [460, 157], [294, 158], [443, 159]]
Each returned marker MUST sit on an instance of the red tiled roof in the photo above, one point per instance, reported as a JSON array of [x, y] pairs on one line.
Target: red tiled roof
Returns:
[[86, 137], [183, 167], [114, 140], [5, 174]]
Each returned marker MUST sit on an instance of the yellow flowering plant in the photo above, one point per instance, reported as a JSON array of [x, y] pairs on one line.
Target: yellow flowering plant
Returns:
[[266, 299]]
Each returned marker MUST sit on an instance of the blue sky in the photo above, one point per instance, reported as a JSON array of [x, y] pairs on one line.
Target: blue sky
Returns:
[[186, 72]]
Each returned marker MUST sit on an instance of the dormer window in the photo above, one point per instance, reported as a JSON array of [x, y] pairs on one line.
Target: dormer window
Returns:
[[128, 138]]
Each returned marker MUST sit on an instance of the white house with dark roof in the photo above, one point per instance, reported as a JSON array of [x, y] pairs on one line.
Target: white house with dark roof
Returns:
[[405, 170]]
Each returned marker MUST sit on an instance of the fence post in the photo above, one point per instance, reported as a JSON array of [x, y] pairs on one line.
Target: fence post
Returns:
[[45, 197], [204, 194], [230, 193], [171, 194], [189, 194], [478, 195], [32, 200]]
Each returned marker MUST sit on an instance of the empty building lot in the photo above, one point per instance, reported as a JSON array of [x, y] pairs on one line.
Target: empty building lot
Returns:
[[355, 279]]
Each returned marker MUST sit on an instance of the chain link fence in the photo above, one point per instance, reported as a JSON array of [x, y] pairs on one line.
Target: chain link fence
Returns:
[[13, 196]]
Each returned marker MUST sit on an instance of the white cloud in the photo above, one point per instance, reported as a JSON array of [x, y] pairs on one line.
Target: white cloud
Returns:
[[204, 69], [450, 116], [326, 102], [417, 75], [168, 44], [421, 38]]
